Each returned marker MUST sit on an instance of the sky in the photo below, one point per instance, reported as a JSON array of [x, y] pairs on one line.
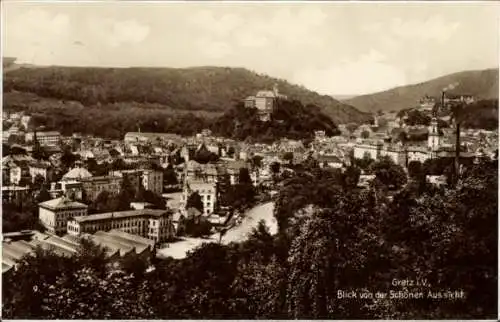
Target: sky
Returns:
[[331, 48]]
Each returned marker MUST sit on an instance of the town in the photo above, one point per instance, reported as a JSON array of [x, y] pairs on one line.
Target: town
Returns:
[[249, 160], [165, 194]]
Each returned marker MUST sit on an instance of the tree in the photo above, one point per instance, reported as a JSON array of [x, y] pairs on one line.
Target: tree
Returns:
[[43, 195], [415, 169], [288, 156], [244, 176], [351, 177], [169, 176], [365, 134], [256, 162], [194, 201], [275, 168], [388, 173], [38, 182], [105, 202]]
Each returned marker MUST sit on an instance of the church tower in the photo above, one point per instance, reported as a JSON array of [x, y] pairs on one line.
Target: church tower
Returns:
[[433, 139]]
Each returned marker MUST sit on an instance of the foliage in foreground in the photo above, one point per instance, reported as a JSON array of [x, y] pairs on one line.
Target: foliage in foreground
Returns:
[[332, 237]]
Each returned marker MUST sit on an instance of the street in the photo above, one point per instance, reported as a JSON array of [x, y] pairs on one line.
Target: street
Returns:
[[239, 233]]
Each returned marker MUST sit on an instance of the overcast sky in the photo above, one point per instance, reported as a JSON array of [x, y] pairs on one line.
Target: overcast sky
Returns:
[[330, 48]]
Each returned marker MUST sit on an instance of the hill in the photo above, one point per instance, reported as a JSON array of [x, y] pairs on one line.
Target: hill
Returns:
[[290, 119], [481, 83], [208, 89]]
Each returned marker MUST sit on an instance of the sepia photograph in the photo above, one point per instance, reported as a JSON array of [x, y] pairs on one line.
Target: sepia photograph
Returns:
[[241, 160]]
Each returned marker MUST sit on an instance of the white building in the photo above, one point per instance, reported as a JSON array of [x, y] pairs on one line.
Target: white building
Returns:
[[50, 138], [433, 139], [207, 192], [54, 214], [153, 180], [153, 224]]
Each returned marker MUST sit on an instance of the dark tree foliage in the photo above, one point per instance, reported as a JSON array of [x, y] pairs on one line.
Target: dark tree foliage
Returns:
[[332, 237], [482, 114], [290, 119], [194, 201], [388, 173]]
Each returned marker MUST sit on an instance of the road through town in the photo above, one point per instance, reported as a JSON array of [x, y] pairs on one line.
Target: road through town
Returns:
[[238, 233]]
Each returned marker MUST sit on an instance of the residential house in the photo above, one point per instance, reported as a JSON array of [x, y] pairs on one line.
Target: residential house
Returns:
[[42, 168], [93, 186], [54, 214], [71, 188], [49, 138], [207, 192], [14, 194]]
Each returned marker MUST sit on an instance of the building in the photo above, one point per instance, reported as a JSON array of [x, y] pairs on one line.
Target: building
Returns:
[[14, 194], [49, 138], [433, 137], [153, 180], [136, 137], [207, 192], [152, 224], [16, 172], [427, 103], [396, 152], [134, 177], [451, 98], [73, 189], [93, 186], [54, 214], [150, 179], [264, 102], [117, 244], [77, 173], [40, 168]]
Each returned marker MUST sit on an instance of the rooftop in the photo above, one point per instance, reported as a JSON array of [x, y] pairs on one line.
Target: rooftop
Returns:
[[77, 173], [121, 214], [62, 203]]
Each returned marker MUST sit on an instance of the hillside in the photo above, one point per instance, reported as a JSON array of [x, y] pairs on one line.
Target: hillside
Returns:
[[208, 89], [482, 83], [290, 119]]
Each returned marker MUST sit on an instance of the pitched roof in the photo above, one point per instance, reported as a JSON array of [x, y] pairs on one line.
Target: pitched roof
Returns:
[[139, 243], [121, 214], [77, 173], [62, 203]]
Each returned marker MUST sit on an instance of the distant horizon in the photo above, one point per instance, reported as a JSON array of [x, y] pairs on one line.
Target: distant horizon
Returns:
[[339, 97], [330, 48]]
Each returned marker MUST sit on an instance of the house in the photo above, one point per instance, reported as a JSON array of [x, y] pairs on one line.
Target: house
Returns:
[[54, 214], [93, 186], [49, 138], [330, 160], [16, 172], [153, 180], [41, 168], [77, 174], [207, 192], [153, 224], [71, 188], [14, 194]]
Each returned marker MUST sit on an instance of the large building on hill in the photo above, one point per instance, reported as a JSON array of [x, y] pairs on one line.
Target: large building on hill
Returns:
[[264, 101]]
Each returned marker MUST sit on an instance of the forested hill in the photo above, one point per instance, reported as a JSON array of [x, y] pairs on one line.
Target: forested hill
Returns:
[[481, 83], [290, 119], [207, 89]]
